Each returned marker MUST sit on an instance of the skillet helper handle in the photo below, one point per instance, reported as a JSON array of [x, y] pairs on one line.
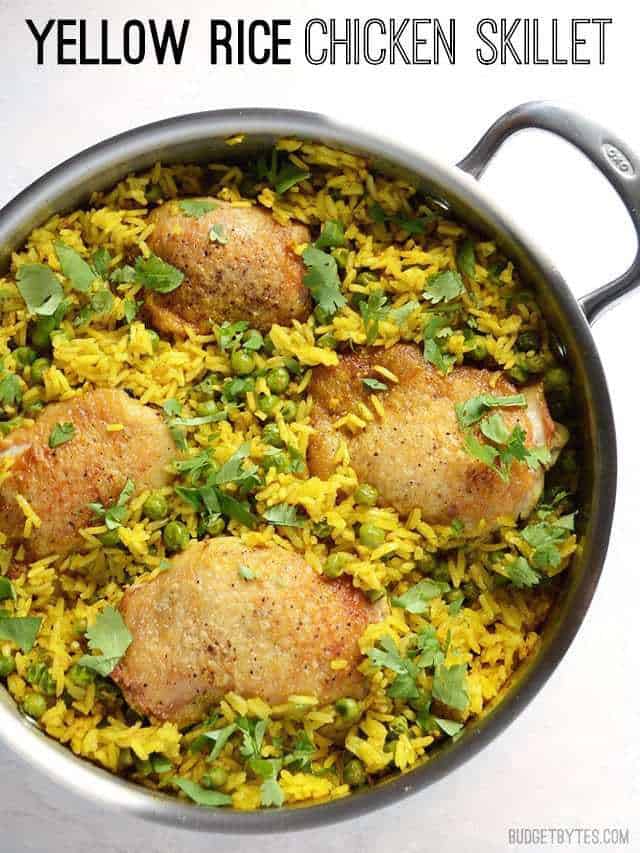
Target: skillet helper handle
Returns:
[[609, 154]]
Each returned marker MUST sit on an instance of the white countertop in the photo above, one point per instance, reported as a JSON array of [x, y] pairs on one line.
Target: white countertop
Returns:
[[572, 759]]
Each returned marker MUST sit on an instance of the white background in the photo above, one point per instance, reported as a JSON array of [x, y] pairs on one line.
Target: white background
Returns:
[[573, 757]]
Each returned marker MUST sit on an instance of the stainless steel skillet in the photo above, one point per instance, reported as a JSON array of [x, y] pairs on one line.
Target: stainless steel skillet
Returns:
[[200, 137]]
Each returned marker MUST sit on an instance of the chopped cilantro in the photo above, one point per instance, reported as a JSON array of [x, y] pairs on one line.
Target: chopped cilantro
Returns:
[[281, 178], [218, 234], [172, 407], [39, 288], [197, 207], [6, 589], [449, 727], [111, 637], [231, 333], [322, 279], [444, 287], [271, 794], [302, 752], [373, 310], [331, 236], [434, 328], [100, 261], [114, 516], [201, 796], [417, 597], [521, 574], [428, 648], [10, 389], [543, 538], [400, 315], [219, 738], [123, 275], [283, 515], [156, 274], [450, 686], [60, 434], [74, 267], [466, 259], [21, 630], [130, 307], [475, 407], [100, 302], [374, 385]]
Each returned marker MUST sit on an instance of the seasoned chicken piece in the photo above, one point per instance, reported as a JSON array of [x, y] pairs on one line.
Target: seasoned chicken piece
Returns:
[[94, 465], [249, 271], [257, 621], [415, 454]]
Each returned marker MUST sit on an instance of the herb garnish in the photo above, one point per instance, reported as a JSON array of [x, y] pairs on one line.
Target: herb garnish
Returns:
[[322, 279], [156, 274], [196, 208], [21, 630], [115, 515], [74, 267], [111, 637], [444, 287], [60, 434], [39, 288]]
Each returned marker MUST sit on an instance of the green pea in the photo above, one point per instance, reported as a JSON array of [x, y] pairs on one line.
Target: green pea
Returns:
[[293, 366], [155, 339], [155, 507], [479, 351], [528, 340], [34, 705], [175, 536], [38, 675], [215, 778], [38, 368], [207, 408], [354, 773], [242, 362], [278, 380], [327, 341], [371, 535], [215, 526], [24, 356], [556, 379], [271, 435], [81, 676], [267, 404], [41, 333], [366, 495], [348, 709], [7, 665], [289, 411], [110, 539], [334, 564]]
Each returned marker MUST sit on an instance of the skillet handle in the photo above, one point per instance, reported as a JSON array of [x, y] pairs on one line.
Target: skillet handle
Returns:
[[609, 154]]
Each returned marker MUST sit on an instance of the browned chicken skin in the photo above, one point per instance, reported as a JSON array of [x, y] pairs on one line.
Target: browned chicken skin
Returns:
[[255, 275], [200, 630], [93, 466], [415, 455]]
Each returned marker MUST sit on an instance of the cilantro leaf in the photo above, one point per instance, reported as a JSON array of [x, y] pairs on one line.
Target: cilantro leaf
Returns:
[[374, 385], [21, 630], [219, 738], [543, 538], [230, 333], [428, 648], [475, 407], [433, 328], [302, 752], [123, 275], [74, 267], [115, 515], [322, 279], [281, 178], [521, 574], [130, 309], [172, 407], [416, 598], [400, 315], [201, 796], [6, 589], [373, 311], [466, 259], [40, 289], [60, 434], [218, 234], [482, 452], [331, 236], [100, 261], [197, 207], [283, 515], [450, 686], [404, 685], [155, 274], [111, 637], [449, 727], [100, 302], [246, 573], [444, 287], [233, 470], [237, 510], [10, 390], [271, 794], [494, 428]]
